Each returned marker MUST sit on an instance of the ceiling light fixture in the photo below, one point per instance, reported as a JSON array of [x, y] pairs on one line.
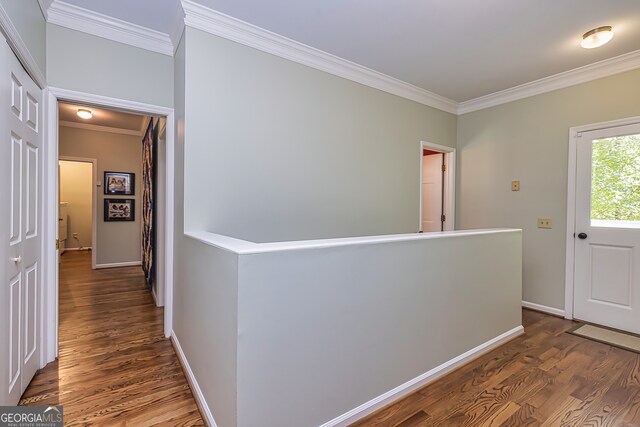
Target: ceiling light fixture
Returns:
[[84, 114], [597, 37]]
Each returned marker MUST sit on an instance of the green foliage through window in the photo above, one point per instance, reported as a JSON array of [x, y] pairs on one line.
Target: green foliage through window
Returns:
[[615, 182]]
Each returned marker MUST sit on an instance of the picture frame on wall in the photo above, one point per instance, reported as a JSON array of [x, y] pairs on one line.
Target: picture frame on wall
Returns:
[[119, 210], [119, 183]]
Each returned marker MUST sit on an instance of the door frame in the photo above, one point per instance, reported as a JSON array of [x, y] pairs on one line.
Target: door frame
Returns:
[[574, 133], [52, 96], [94, 201], [450, 184]]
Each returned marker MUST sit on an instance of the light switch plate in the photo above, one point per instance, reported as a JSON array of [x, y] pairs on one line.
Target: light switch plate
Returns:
[[515, 185]]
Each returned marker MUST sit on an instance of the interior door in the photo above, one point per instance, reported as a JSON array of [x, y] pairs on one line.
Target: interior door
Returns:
[[432, 207], [607, 234], [20, 222]]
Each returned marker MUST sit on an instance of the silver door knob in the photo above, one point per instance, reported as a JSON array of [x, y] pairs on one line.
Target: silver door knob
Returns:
[[17, 259]]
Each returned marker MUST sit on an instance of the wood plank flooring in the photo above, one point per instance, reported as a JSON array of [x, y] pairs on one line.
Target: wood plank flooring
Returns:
[[115, 367], [543, 378]]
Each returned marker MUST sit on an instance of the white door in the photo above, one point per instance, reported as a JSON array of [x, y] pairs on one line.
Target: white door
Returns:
[[607, 234], [432, 207], [20, 226]]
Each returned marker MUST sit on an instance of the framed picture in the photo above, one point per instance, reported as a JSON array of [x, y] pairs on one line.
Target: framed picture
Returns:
[[119, 183], [119, 210]]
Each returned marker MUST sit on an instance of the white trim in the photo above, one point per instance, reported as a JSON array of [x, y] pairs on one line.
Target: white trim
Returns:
[[543, 308], [574, 133], [98, 128], [245, 247], [193, 383], [422, 380], [219, 24], [608, 67], [50, 232], [91, 22], [51, 205], [20, 49], [44, 6], [118, 264], [175, 33], [94, 204], [450, 197]]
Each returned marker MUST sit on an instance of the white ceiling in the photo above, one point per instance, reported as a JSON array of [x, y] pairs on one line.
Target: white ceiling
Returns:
[[459, 49], [108, 119]]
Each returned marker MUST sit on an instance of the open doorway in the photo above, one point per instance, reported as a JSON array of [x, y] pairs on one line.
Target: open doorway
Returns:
[[77, 194], [437, 188]]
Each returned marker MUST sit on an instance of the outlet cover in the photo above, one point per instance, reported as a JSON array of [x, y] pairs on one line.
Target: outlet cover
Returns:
[[545, 223], [515, 185]]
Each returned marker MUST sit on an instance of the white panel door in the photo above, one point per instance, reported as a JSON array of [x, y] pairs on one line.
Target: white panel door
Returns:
[[432, 193], [607, 244], [20, 225]]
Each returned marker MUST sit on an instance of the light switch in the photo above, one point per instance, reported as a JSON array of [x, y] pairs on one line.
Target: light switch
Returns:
[[545, 223], [515, 185]]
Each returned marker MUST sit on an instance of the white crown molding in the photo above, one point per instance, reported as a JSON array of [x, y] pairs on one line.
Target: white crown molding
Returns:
[[44, 6], [20, 49], [98, 128], [219, 24], [97, 24], [175, 34], [608, 67]]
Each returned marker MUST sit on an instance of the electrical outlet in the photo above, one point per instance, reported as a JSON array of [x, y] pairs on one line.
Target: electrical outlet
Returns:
[[75, 235], [545, 223], [515, 185]]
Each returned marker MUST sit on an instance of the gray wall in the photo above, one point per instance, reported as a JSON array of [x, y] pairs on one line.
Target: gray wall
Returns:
[[116, 241], [322, 331], [28, 19], [205, 322], [86, 63], [280, 151], [528, 140]]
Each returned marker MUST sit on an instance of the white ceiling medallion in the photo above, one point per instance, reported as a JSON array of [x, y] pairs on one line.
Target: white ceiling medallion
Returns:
[[97, 24], [219, 24]]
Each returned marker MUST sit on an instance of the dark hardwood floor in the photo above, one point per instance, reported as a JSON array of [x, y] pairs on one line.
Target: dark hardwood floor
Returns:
[[114, 367], [543, 378]]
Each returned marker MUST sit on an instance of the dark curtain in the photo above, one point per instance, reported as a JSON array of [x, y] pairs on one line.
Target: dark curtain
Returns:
[[149, 149]]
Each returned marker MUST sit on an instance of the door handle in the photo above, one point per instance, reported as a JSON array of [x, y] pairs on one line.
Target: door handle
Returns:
[[17, 259], [582, 236]]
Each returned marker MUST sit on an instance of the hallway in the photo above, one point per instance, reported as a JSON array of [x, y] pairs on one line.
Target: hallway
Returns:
[[114, 367]]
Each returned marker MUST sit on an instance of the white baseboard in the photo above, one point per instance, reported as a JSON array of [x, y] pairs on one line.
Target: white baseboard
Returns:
[[543, 308], [119, 264], [422, 380], [193, 383]]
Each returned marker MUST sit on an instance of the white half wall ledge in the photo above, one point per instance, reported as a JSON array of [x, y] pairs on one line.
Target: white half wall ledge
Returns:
[[543, 308], [423, 380], [244, 247]]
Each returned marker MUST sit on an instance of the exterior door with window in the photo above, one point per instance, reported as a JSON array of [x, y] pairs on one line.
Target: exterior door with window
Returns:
[[20, 226], [607, 233]]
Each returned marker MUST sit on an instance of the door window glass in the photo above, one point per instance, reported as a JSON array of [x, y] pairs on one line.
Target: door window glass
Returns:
[[615, 182]]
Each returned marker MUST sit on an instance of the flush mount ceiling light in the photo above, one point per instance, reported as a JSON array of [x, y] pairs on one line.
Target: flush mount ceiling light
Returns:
[[84, 114], [597, 37]]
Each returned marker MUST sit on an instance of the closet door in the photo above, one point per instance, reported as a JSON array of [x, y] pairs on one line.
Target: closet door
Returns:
[[20, 222]]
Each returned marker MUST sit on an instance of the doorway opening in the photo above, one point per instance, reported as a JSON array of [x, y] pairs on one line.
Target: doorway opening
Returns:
[[77, 177], [132, 191], [603, 225], [437, 188]]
